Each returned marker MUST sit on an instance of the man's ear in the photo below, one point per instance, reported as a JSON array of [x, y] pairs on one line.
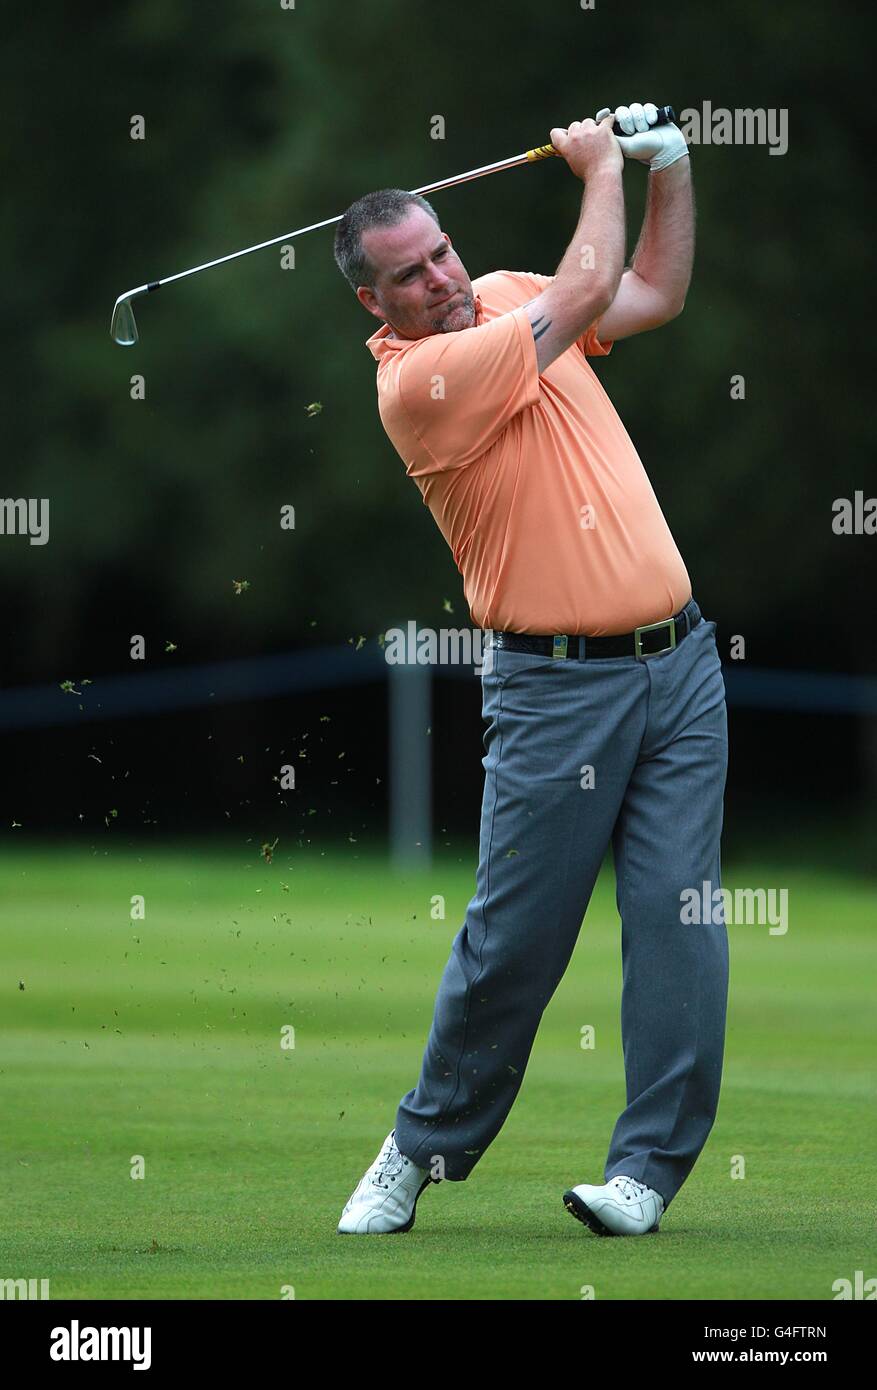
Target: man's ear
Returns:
[[367, 299]]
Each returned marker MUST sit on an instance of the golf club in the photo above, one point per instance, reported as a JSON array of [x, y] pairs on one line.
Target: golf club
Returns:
[[123, 325]]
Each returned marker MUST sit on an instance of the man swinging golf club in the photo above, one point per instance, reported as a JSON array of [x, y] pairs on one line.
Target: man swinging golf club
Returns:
[[602, 688]]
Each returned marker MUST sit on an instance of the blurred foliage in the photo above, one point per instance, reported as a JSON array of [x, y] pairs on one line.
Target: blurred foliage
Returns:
[[260, 118]]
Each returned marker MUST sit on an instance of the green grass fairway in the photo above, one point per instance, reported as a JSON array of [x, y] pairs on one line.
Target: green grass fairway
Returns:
[[161, 1038]]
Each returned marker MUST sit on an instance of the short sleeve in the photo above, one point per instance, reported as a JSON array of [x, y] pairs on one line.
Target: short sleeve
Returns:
[[460, 390], [588, 342]]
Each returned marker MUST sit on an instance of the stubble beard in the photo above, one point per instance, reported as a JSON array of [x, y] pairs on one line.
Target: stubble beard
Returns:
[[461, 316]]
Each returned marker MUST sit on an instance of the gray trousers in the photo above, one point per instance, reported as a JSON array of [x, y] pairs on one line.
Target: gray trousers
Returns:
[[654, 731]]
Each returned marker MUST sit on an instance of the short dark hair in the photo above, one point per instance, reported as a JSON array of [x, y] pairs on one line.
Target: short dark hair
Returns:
[[385, 208]]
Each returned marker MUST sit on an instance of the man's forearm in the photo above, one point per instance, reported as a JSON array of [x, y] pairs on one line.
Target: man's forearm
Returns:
[[587, 278], [594, 260], [664, 255]]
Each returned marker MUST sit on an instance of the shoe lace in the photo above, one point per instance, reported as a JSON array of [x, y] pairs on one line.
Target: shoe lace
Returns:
[[390, 1164], [633, 1190]]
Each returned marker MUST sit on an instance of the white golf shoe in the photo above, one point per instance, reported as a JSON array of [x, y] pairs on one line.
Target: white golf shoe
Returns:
[[621, 1207], [385, 1198]]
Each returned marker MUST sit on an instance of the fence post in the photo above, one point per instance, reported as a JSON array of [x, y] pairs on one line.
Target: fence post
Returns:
[[410, 712]]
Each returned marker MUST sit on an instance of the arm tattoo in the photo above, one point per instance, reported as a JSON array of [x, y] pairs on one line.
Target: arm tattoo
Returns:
[[534, 324]]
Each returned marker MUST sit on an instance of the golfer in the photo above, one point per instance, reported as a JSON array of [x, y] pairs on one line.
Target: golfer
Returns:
[[602, 686]]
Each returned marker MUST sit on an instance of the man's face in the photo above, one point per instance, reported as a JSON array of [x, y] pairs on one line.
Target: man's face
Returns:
[[416, 269]]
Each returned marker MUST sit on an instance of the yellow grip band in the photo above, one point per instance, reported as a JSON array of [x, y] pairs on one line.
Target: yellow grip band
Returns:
[[541, 152]]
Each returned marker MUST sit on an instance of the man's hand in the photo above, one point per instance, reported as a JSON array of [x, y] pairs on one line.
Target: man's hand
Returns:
[[652, 144], [588, 147]]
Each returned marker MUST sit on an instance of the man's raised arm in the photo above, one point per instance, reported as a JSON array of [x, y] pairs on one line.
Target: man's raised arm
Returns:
[[652, 290], [588, 277]]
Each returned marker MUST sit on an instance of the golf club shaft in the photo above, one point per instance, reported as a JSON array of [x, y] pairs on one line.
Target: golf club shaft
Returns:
[[666, 115], [543, 152]]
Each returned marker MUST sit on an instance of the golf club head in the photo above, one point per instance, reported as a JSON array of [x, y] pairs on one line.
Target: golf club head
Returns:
[[123, 325]]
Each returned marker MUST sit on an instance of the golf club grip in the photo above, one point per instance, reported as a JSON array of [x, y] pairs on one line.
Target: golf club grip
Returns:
[[666, 116]]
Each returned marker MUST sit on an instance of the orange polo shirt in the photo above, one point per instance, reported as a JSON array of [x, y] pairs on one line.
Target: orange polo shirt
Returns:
[[532, 480]]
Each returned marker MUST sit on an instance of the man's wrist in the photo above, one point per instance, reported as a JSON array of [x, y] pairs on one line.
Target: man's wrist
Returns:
[[604, 174], [675, 150]]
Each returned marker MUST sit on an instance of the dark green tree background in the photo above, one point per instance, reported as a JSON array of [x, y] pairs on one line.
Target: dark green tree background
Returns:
[[261, 119]]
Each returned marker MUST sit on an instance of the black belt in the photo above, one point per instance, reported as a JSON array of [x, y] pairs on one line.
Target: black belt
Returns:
[[649, 640]]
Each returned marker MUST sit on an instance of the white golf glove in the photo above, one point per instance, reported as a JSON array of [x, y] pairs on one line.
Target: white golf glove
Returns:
[[652, 144]]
